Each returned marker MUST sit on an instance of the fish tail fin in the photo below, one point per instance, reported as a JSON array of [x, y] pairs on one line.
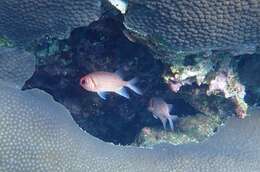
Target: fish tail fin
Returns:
[[131, 84], [171, 119]]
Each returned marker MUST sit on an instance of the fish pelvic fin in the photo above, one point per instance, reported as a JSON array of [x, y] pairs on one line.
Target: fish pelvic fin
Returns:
[[172, 118], [170, 107], [164, 123], [131, 84], [155, 116]]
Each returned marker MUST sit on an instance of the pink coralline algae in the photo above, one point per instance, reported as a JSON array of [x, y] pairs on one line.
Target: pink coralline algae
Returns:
[[228, 84], [218, 84], [175, 83], [175, 87]]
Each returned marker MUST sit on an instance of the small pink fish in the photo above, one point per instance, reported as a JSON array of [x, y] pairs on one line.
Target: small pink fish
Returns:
[[103, 82], [161, 110]]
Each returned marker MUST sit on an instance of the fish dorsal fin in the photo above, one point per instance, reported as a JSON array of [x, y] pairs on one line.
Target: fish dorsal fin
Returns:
[[123, 92], [170, 107], [131, 84], [119, 72]]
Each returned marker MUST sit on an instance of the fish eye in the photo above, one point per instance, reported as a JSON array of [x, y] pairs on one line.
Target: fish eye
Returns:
[[83, 81]]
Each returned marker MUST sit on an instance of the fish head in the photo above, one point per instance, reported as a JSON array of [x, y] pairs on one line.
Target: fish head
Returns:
[[87, 83], [121, 5], [158, 105]]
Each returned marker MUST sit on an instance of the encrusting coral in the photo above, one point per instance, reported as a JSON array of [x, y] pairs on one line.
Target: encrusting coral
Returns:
[[25, 21], [190, 129], [39, 134], [218, 72], [175, 28], [16, 65]]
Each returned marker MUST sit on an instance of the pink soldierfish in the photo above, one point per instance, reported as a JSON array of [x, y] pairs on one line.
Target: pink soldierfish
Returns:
[[161, 110], [103, 82]]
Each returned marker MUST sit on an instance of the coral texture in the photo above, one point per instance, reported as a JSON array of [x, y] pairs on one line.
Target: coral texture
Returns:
[[196, 26], [25, 20], [218, 72], [38, 134], [16, 65]]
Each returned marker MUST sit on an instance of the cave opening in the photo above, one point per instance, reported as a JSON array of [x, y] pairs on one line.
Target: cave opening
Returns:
[[102, 46]]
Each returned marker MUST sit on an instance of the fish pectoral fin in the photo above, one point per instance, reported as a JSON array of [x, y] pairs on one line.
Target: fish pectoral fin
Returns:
[[170, 107], [164, 123], [172, 118], [123, 92], [102, 95], [171, 123], [155, 116]]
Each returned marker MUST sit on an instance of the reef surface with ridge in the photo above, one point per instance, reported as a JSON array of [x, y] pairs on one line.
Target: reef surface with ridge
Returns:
[[209, 73]]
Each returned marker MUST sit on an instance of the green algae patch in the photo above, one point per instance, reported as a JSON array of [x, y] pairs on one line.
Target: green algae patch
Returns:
[[4, 42], [190, 129], [200, 126], [149, 137]]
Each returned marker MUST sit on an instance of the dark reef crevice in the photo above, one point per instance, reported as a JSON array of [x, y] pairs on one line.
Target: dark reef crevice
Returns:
[[102, 46]]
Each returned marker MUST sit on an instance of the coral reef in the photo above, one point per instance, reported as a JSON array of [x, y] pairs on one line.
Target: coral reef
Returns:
[[11, 61], [174, 28], [148, 137], [191, 129], [199, 126], [34, 124], [218, 71], [228, 84], [25, 21], [101, 46], [95, 48], [39, 134], [4, 42]]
